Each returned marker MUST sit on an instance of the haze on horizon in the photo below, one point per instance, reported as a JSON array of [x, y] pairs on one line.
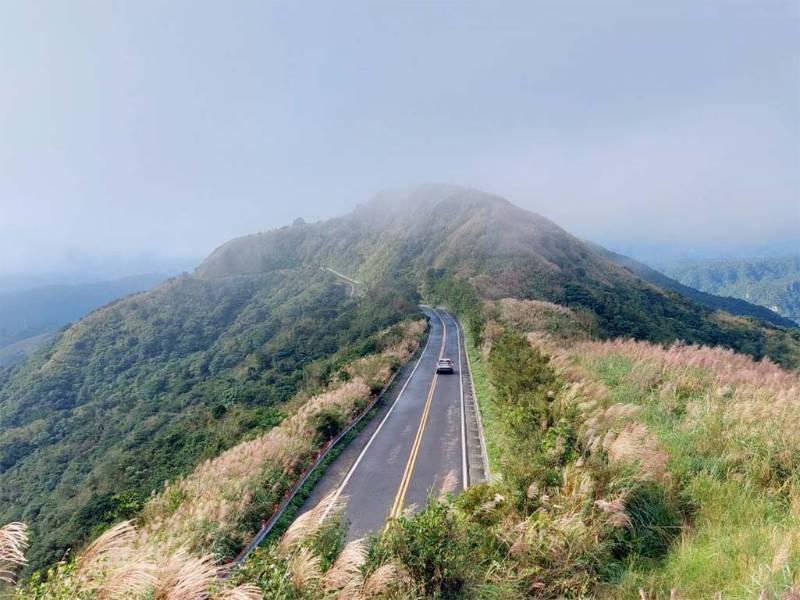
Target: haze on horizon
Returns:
[[165, 129]]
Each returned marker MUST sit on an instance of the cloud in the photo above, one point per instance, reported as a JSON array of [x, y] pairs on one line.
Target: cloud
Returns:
[[718, 175]]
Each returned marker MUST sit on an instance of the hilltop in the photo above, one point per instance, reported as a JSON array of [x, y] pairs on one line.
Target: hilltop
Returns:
[[502, 250]]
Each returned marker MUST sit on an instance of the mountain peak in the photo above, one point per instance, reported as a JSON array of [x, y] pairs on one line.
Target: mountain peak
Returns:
[[432, 225]]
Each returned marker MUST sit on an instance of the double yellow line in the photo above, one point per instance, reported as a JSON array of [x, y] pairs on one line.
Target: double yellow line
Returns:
[[397, 506]]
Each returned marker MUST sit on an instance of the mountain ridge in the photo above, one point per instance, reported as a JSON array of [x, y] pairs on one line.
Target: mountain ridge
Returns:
[[773, 282], [733, 305], [502, 250]]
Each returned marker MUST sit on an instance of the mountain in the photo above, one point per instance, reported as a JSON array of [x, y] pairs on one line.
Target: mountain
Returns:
[[140, 391], [773, 282], [28, 313], [144, 389], [733, 305], [501, 250]]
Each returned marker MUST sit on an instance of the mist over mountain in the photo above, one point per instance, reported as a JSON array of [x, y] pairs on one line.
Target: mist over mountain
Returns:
[[80, 270], [502, 250], [518, 282], [40, 310]]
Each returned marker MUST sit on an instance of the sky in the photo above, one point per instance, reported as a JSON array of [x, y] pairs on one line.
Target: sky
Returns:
[[163, 129]]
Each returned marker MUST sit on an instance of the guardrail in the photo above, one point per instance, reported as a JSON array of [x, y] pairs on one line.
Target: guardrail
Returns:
[[477, 411]]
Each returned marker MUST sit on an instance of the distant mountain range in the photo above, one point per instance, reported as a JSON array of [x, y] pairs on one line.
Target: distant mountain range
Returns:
[[91, 270], [719, 300], [27, 316], [773, 282]]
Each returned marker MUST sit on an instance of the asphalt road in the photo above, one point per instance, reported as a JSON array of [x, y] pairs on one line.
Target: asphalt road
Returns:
[[413, 448]]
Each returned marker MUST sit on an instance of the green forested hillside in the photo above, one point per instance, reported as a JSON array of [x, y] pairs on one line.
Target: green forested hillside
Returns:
[[771, 282], [142, 390], [733, 305]]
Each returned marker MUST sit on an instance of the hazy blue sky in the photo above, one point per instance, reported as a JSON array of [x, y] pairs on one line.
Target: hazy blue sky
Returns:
[[169, 127]]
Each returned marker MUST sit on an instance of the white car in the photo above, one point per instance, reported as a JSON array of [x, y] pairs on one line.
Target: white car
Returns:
[[444, 365]]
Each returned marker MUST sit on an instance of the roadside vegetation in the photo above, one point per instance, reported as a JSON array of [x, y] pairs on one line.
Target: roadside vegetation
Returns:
[[200, 521], [625, 470], [639, 469]]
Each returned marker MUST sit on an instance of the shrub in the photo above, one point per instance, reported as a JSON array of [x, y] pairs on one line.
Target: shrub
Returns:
[[432, 546], [327, 423]]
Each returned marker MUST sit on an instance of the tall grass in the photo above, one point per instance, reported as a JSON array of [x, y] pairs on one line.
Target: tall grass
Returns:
[[725, 434], [205, 517], [13, 542], [217, 506], [691, 453], [551, 319]]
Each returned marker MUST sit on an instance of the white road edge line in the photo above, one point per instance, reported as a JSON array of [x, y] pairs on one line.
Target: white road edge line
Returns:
[[346, 479]]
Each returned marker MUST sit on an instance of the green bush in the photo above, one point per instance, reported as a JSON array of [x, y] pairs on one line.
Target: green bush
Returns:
[[433, 546], [327, 424], [655, 521]]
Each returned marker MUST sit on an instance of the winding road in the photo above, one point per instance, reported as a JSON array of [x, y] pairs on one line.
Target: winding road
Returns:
[[418, 445]]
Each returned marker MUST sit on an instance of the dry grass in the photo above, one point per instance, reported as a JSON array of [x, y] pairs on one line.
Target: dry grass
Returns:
[[185, 577], [211, 500], [112, 565], [747, 413], [635, 445], [118, 566], [245, 591], [715, 427], [556, 550], [312, 521], [220, 490], [703, 434], [387, 578], [13, 542], [304, 569], [169, 557], [553, 320], [345, 574]]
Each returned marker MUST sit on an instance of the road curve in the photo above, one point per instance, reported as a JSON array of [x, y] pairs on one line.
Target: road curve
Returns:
[[414, 447]]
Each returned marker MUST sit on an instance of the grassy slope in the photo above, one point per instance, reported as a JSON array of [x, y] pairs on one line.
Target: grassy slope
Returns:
[[151, 378], [733, 462], [201, 520], [732, 456]]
